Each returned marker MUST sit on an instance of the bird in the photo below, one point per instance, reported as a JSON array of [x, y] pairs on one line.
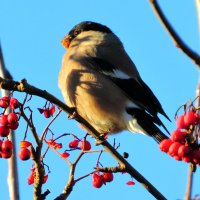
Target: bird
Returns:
[[99, 80]]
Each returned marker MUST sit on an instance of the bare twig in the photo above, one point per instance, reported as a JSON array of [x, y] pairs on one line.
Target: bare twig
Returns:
[[49, 124], [23, 86], [189, 184], [30, 124], [71, 182], [13, 183], [175, 37]]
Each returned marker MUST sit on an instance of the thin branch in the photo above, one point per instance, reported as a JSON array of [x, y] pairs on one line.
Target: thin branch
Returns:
[[23, 86], [189, 184], [175, 37], [82, 177], [31, 126], [49, 124]]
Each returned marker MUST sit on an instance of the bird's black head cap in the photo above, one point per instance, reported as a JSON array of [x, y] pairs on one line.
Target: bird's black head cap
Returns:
[[88, 26]]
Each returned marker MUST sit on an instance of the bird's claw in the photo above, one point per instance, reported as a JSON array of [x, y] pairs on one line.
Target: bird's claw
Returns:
[[73, 115], [103, 137]]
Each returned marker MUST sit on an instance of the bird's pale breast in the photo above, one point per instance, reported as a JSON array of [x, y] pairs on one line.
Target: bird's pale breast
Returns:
[[93, 95]]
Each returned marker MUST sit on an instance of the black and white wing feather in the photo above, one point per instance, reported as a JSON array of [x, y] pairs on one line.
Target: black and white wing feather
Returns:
[[134, 88]]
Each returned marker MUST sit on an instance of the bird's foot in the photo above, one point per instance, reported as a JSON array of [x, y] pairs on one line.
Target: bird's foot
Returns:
[[103, 137], [73, 115]]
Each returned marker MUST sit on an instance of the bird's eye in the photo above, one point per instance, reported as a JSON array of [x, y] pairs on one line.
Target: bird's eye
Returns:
[[76, 33]]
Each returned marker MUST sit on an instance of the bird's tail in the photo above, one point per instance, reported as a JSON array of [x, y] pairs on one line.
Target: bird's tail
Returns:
[[152, 131], [159, 136], [142, 122]]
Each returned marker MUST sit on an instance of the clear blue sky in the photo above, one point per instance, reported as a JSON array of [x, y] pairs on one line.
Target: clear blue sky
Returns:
[[30, 36]]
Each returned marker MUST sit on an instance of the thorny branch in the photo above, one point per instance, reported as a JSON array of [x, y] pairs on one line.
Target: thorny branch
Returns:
[[23, 86]]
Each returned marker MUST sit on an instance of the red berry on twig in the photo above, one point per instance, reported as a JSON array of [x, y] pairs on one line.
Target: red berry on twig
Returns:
[[74, 144], [24, 154], [165, 144], [97, 180], [173, 149], [178, 136], [107, 177], [14, 103], [180, 123], [85, 145]]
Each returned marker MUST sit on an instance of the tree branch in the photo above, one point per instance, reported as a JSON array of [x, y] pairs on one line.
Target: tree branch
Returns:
[[12, 179], [23, 86], [175, 37]]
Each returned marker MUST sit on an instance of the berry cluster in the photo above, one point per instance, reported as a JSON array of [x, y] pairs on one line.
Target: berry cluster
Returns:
[[99, 179], [8, 122], [83, 144], [183, 142], [54, 144]]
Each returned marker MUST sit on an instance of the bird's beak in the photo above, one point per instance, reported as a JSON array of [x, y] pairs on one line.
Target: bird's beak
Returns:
[[66, 41]]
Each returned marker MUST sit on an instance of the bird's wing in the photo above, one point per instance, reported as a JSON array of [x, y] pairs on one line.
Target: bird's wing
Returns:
[[134, 88]]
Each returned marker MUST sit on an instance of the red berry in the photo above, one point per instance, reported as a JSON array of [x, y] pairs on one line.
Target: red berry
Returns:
[[85, 145], [14, 103], [50, 141], [191, 118], [165, 144], [196, 156], [25, 144], [45, 178], [6, 154], [173, 149], [178, 136], [52, 110], [57, 145], [4, 101], [97, 180], [177, 158], [73, 144], [13, 126], [65, 155], [107, 177], [4, 131], [31, 178], [7, 146], [130, 183], [187, 159], [12, 117], [47, 113], [184, 151], [180, 123], [1, 142], [24, 154], [4, 120]]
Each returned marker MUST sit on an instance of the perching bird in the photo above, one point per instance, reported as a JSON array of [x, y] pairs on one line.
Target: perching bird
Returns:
[[100, 80]]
